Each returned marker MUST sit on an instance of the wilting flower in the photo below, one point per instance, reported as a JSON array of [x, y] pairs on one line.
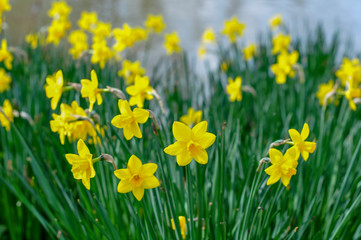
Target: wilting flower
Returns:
[[249, 51], [79, 41], [208, 36], [82, 165], [234, 89], [91, 91], [101, 53], [32, 39], [192, 117], [155, 23], [284, 66], [139, 91], [5, 55], [323, 90], [88, 20], [191, 143], [183, 225], [283, 167], [233, 29], [276, 21], [280, 43], [8, 110], [129, 120], [5, 80], [130, 70], [137, 177], [54, 88], [302, 146], [352, 93], [172, 43]]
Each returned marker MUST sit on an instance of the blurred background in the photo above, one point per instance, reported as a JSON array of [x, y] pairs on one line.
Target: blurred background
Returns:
[[189, 17]]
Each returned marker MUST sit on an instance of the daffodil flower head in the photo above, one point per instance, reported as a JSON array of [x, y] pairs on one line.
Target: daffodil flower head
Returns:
[[79, 41], [276, 21], [233, 29], [101, 31], [302, 146], [54, 88], [234, 89], [249, 51], [137, 177], [172, 43], [352, 93], [284, 66], [280, 43], [323, 90], [155, 23], [208, 36], [33, 40], [82, 165], [5, 80], [183, 225], [129, 120], [101, 53], [192, 117], [130, 70], [91, 91], [4, 6], [191, 143], [350, 72], [8, 110], [140, 91], [202, 51], [57, 31], [88, 20], [283, 166], [59, 10], [5, 55]]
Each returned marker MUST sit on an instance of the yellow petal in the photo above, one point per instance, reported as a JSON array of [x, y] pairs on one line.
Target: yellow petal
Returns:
[[82, 148], [295, 136], [140, 115], [128, 133], [276, 156], [184, 158], [71, 158], [134, 165], [274, 178], [200, 128], [124, 187], [124, 107], [119, 121], [271, 170], [99, 99], [286, 180], [202, 157], [175, 149], [94, 78], [122, 173], [181, 131], [135, 129], [138, 193], [150, 182], [86, 180], [148, 169], [206, 140], [305, 131], [305, 155]]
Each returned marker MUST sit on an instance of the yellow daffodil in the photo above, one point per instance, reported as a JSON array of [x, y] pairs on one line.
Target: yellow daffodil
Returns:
[[155, 23], [101, 53], [276, 21], [172, 43], [302, 146], [32, 39], [54, 88], [129, 120], [8, 110], [5, 55], [183, 225], [202, 51], [4, 6], [280, 43], [283, 167], [124, 37], [323, 90], [234, 89], [56, 31], [233, 29], [82, 165], [137, 177], [208, 36], [88, 20], [350, 71], [79, 41], [284, 66], [224, 66], [140, 91], [192, 117], [191, 143], [249, 51], [101, 31], [95, 137], [91, 91], [350, 94], [59, 10], [5, 80], [130, 70]]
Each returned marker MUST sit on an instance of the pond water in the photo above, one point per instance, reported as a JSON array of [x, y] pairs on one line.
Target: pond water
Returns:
[[190, 17]]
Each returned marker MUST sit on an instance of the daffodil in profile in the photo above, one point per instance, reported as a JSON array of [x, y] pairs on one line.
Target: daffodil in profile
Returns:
[[234, 89], [82, 165], [88, 20], [5, 55], [183, 225], [280, 43], [137, 177], [276, 21], [54, 88], [91, 91], [283, 166], [302, 146], [139, 91], [233, 29], [172, 43], [191, 143], [323, 90], [129, 120], [8, 117], [192, 117], [155, 23], [249, 51], [5, 80]]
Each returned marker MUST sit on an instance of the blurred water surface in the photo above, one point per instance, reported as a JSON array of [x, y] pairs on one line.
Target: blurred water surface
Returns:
[[190, 17]]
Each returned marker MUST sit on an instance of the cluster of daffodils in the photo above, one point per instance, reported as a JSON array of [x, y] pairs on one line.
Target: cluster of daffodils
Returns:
[[4, 7], [347, 85], [208, 39], [284, 166], [60, 24]]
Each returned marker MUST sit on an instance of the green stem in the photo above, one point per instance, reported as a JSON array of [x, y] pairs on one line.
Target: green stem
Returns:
[[190, 201]]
